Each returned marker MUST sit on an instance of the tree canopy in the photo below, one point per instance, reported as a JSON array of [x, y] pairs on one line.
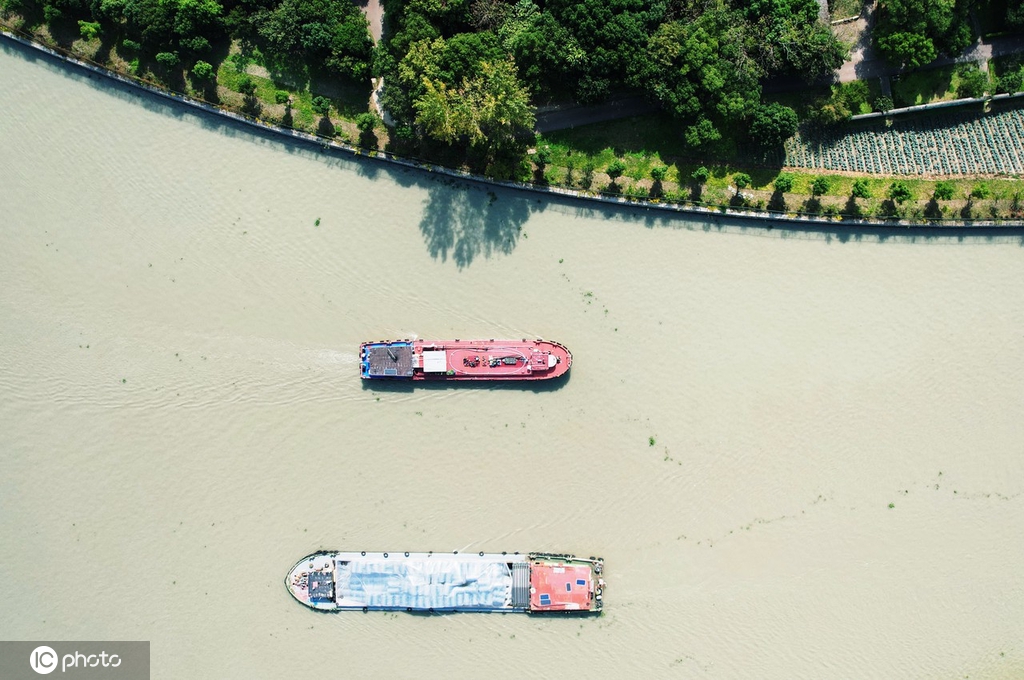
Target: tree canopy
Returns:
[[699, 72], [914, 32], [491, 109], [772, 125], [702, 61]]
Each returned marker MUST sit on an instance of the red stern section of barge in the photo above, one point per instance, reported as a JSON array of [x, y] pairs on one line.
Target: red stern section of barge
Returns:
[[561, 587]]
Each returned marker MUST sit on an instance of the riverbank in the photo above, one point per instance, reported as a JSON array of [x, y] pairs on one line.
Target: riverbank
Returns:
[[813, 213]]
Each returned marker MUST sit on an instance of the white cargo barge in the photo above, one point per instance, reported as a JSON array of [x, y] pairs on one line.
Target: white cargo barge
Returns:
[[448, 582]]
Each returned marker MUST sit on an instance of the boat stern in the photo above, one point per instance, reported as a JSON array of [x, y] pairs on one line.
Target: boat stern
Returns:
[[565, 583], [312, 581], [386, 360]]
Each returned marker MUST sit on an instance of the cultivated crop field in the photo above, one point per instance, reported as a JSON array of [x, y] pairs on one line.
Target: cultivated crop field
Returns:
[[943, 144]]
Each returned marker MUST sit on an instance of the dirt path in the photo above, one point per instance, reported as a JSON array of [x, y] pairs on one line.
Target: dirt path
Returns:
[[375, 15], [623, 107]]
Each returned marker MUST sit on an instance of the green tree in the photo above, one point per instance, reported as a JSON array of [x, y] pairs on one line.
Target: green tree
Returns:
[[90, 30], [166, 24], [700, 175], [445, 114], [1012, 81], [820, 186], [615, 169], [702, 133], [195, 44], [907, 49], [1015, 13], [328, 36], [246, 86], [546, 53], [883, 104], [981, 190], [492, 110], [900, 192], [741, 180], [167, 59], [542, 156], [658, 173], [784, 183], [701, 74], [787, 37], [773, 124], [861, 189], [366, 122], [973, 82], [944, 190], [321, 105], [202, 70], [606, 40], [913, 32]]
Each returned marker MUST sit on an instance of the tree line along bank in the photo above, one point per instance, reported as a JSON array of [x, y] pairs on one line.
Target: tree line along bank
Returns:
[[462, 77]]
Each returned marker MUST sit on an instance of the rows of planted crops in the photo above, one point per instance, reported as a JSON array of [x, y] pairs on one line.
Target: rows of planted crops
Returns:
[[947, 144]]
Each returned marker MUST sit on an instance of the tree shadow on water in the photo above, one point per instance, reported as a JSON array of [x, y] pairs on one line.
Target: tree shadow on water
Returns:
[[463, 221]]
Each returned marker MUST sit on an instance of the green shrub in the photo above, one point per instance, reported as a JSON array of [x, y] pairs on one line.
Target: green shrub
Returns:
[[366, 122], [321, 105], [196, 44], [700, 175], [281, 97], [1013, 80], [246, 86], [972, 82], [587, 180], [90, 30], [784, 183], [900, 192], [981, 191], [202, 70], [820, 186], [741, 179], [944, 190], [129, 44], [855, 95], [168, 59], [616, 169], [883, 104], [861, 189]]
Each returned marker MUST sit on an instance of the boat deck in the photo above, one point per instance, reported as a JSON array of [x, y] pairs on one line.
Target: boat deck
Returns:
[[487, 362]]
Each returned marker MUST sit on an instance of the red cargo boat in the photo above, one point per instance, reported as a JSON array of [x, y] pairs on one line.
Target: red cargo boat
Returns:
[[463, 360]]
